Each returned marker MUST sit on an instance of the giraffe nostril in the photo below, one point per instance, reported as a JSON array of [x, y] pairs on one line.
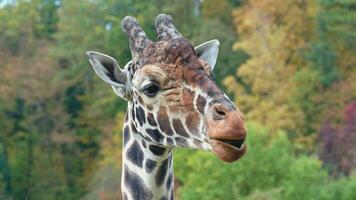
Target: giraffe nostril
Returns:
[[219, 111]]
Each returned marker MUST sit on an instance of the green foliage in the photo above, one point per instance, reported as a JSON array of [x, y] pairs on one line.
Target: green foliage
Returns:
[[305, 179], [336, 19], [335, 32], [307, 81], [17, 32], [343, 188], [323, 59]]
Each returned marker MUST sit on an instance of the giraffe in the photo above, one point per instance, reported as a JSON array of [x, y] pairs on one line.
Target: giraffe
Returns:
[[173, 101]]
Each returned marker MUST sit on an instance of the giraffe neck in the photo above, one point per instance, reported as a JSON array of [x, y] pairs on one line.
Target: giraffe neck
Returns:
[[147, 168]]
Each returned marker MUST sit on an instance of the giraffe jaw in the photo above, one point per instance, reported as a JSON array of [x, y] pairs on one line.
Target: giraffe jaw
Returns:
[[229, 150]]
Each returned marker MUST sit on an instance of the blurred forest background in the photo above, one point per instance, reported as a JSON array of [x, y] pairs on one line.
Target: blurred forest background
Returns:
[[289, 64]]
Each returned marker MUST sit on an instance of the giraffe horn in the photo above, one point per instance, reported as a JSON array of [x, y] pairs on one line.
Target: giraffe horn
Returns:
[[138, 39], [165, 28]]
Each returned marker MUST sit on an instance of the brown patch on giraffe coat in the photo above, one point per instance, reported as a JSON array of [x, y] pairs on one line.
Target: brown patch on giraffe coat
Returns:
[[179, 128], [151, 119], [201, 103], [196, 76], [188, 96], [192, 121], [163, 121]]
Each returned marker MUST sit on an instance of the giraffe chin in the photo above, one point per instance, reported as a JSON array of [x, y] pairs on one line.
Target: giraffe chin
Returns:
[[227, 152]]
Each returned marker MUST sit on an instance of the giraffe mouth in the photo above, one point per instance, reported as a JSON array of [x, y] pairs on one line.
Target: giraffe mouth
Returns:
[[229, 150], [239, 143]]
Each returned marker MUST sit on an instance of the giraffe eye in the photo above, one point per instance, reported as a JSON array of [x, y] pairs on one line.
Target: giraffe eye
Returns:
[[151, 89]]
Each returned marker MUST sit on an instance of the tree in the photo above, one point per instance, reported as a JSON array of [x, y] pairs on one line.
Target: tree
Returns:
[[271, 33]]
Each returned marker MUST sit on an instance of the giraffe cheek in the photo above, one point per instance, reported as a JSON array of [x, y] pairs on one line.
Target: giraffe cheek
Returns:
[[163, 121], [201, 104], [192, 121]]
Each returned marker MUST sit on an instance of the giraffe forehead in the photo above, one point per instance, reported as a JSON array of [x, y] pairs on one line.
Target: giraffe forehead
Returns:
[[150, 72], [170, 52], [167, 75]]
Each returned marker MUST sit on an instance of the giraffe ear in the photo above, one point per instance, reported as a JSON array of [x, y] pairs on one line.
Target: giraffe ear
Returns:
[[108, 70], [208, 51]]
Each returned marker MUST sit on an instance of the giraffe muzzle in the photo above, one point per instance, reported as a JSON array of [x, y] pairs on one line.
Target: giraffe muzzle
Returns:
[[227, 133]]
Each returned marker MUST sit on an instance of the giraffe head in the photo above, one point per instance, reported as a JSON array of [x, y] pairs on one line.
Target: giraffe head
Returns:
[[173, 99]]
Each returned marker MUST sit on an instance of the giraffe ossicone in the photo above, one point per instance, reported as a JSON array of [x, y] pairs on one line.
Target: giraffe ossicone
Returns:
[[173, 101]]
